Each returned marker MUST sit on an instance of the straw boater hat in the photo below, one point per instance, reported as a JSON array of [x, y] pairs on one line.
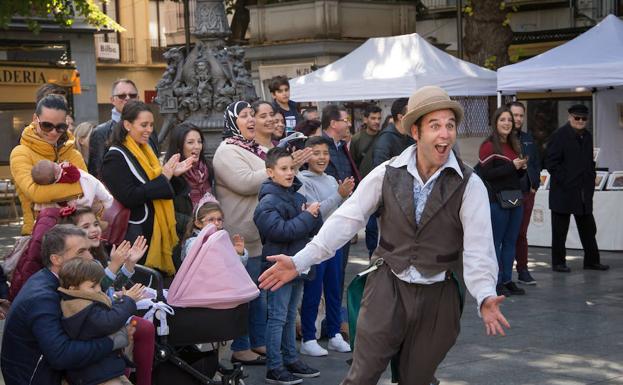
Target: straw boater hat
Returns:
[[428, 99]]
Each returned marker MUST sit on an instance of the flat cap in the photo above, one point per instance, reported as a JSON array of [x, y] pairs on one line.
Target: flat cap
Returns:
[[578, 109]]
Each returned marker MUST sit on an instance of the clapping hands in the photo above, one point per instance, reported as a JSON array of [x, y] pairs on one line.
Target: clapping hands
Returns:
[[346, 187], [127, 254], [312, 208], [135, 292], [238, 241], [173, 167]]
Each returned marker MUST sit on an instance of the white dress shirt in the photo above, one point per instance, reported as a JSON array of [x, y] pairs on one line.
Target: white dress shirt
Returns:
[[480, 268]]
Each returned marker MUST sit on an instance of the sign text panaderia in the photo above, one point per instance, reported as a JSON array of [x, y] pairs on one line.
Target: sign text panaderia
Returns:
[[34, 76]]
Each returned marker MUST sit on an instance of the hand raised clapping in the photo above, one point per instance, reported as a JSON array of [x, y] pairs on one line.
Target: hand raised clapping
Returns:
[[346, 187], [312, 208], [173, 167]]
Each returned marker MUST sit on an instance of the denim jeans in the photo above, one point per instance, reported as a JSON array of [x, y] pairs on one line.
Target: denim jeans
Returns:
[[328, 275], [257, 314], [281, 325], [506, 224]]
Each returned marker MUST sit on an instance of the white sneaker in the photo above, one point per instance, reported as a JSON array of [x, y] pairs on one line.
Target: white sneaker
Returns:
[[338, 344], [312, 348]]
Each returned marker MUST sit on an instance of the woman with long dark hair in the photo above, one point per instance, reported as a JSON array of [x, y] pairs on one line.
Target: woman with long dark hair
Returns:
[[134, 176], [188, 141], [501, 166]]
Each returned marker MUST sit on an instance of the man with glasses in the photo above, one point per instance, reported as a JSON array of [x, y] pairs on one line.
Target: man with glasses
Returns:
[[45, 138], [35, 348], [123, 90], [335, 124], [569, 160]]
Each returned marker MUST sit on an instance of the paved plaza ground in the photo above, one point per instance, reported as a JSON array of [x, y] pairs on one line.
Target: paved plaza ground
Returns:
[[567, 330]]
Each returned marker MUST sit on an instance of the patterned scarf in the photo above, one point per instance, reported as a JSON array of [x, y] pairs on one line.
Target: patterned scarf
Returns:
[[198, 180], [232, 133]]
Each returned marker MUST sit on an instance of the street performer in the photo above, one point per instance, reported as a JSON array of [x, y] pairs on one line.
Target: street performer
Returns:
[[434, 216]]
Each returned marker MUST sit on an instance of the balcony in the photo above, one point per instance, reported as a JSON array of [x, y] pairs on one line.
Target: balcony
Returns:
[[330, 19], [157, 50]]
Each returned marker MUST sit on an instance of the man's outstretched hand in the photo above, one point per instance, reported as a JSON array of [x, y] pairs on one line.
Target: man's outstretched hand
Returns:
[[282, 272], [492, 316]]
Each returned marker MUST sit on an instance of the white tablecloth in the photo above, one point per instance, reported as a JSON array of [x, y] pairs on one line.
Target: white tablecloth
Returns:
[[608, 212]]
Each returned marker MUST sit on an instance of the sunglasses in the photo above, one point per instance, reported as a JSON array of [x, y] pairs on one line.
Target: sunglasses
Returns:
[[582, 118], [48, 127], [126, 96]]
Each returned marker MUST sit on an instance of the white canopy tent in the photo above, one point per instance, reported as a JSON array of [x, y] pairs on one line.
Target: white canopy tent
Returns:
[[593, 59], [392, 67]]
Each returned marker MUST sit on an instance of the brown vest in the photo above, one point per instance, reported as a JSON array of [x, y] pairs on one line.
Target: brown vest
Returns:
[[436, 244]]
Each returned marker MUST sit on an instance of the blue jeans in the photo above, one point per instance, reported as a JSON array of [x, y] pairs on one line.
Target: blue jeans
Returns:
[[372, 234], [506, 224], [281, 325], [328, 275], [257, 314]]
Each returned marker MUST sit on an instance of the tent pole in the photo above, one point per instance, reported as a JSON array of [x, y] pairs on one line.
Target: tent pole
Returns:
[[499, 99]]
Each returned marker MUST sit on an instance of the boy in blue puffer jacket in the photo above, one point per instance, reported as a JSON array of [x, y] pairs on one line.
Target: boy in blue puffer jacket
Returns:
[[285, 223]]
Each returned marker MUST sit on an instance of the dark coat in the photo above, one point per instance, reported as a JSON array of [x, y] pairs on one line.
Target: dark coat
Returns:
[[532, 178], [341, 164], [283, 225], [88, 317], [134, 194], [569, 160], [30, 262], [35, 348], [99, 143], [497, 171], [390, 143]]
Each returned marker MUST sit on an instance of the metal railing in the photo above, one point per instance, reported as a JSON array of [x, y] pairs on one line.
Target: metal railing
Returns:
[[156, 50], [128, 50], [437, 4]]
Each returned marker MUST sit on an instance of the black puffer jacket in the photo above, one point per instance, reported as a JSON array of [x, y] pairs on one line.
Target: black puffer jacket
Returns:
[[390, 143]]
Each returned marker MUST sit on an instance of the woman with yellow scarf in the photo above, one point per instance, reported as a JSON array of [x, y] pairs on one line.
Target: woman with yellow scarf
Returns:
[[134, 176]]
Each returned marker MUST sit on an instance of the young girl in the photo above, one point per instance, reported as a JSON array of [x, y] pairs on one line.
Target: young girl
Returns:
[[209, 212], [122, 258]]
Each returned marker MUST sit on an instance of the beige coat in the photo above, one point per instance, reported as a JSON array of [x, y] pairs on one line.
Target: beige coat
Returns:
[[238, 175]]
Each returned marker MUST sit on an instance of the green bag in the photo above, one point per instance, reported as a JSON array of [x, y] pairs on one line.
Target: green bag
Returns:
[[354, 293]]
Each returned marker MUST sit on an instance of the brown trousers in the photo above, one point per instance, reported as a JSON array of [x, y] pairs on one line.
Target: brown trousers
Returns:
[[420, 321]]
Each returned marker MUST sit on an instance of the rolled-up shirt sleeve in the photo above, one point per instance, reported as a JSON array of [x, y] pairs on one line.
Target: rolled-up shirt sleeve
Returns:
[[344, 223], [480, 267]]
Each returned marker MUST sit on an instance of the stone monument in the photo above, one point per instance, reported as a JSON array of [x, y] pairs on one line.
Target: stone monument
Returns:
[[198, 86]]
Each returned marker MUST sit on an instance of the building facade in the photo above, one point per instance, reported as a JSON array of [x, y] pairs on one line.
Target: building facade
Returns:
[[64, 56]]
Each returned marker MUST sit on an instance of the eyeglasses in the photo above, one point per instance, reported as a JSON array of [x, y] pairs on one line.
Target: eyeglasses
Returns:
[[48, 127], [126, 96], [578, 118], [345, 120]]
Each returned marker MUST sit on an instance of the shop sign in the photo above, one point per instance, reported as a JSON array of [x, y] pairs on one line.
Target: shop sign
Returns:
[[34, 76], [104, 50]]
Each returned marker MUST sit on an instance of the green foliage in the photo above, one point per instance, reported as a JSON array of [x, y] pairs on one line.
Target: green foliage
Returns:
[[62, 12], [490, 62]]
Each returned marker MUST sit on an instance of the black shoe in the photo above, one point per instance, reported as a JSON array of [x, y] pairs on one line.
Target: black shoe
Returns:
[[281, 376], [301, 369], [525, 278], [561, 268], [596, 266], [510, 286], [502, 290]]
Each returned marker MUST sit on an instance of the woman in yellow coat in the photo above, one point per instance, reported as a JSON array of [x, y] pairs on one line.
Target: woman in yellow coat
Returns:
[[45, 138]]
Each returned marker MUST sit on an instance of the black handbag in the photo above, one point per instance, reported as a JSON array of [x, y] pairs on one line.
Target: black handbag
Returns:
[[509, 199]]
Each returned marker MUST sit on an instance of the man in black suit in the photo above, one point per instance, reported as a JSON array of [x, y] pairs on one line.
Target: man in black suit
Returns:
[[569, 160]]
